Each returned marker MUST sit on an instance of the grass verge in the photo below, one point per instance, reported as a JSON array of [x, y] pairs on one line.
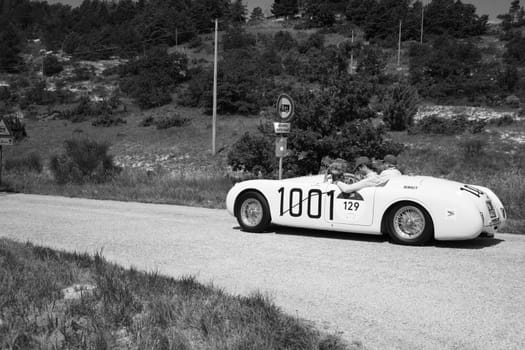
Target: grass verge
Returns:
[[56, 300], [180, 188]]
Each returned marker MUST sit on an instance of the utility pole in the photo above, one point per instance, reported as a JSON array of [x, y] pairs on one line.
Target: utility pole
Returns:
[[214, 122], [352, 55], [422, 22], [399, 45]]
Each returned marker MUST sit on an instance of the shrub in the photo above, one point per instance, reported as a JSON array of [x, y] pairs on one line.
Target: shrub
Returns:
[[335, 122], [38, 94], [502, 121], [400, 107], [473, 147], [150, 79], [253, 153], [283, 41], [447, 126], [513, 101], [81, 73], [84, 160], [52, 65], [86, 109], [106, 120], [147, 121], [171, 121], [31, 162]]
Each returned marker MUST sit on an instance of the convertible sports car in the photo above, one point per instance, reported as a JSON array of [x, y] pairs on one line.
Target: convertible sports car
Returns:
[[410, 209]]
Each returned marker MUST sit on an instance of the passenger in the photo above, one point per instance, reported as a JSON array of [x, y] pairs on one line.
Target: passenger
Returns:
[[363, 170], [389, 167]]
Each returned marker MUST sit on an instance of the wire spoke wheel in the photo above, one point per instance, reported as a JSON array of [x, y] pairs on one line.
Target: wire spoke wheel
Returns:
[[410, 224], [251, 212]]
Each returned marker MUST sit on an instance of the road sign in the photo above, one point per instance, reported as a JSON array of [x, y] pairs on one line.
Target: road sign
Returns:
[[4, 131], [280, 147], [285, 108], [281, 128], [6, 141]]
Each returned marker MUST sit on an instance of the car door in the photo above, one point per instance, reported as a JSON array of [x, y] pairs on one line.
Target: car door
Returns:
[[356, 208], [301, 205]]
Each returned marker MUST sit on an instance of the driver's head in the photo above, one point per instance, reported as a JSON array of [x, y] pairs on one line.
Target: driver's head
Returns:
[[362, 165]]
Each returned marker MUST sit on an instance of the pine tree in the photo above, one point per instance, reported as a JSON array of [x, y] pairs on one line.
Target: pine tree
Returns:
[[256, 15], [285, 8], [238, 12], [10, 47]]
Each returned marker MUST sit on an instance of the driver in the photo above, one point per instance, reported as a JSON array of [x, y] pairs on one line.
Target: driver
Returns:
[[368, 176]]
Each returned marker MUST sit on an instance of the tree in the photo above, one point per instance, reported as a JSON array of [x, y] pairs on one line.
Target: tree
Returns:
[[358, 11], [257, 15], [238, 12], [319, 14], [514, 18], [10, 47], [444, 67], [454, 18], [515, 50], [285, 8]]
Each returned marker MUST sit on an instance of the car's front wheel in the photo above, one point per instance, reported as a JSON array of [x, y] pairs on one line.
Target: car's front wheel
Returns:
[[409, 223], [252, 212]]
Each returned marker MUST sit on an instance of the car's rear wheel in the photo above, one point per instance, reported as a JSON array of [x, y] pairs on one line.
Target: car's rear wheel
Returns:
[[409, 223], [252, 212]]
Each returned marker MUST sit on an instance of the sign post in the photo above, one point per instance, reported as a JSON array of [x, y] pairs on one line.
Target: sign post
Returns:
[[285, 109], [6, 139]]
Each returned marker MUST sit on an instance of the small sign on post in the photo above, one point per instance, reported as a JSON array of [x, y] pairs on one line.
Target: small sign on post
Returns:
[[6, 139], [285, 110]]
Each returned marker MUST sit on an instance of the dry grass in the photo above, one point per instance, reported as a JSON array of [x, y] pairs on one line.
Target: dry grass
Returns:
[[127, 309]]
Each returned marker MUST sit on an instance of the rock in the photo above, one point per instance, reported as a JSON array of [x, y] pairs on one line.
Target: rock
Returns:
[[77, 291]]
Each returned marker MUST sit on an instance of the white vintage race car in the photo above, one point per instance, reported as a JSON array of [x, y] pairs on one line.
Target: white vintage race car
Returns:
[[410, 209]]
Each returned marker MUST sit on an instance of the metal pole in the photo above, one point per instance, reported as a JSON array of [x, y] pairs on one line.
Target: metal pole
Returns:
[[215, 88], [352, 55], [399, 46], [422, 22], [280, 168]]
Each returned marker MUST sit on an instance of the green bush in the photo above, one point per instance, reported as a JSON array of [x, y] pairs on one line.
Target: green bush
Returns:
[[171, 121], [400, 107], [31, 162], [502, 121], [456, 125], [335, 122], [52, 65], [38, 94], [87, 109], [107, 120], [84, 161], [151, 79], [147, 121], [253, 153]]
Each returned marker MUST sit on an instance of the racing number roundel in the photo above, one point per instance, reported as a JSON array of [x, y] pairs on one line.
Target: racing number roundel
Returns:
[[285, 108]]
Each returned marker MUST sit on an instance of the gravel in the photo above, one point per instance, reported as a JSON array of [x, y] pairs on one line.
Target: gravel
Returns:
[[454, 295]]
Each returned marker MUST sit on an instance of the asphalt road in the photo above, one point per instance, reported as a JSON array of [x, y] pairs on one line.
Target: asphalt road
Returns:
[[457, 295]]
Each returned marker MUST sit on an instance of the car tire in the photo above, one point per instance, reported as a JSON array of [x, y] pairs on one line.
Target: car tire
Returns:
[[252, 212], [410, 224]]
